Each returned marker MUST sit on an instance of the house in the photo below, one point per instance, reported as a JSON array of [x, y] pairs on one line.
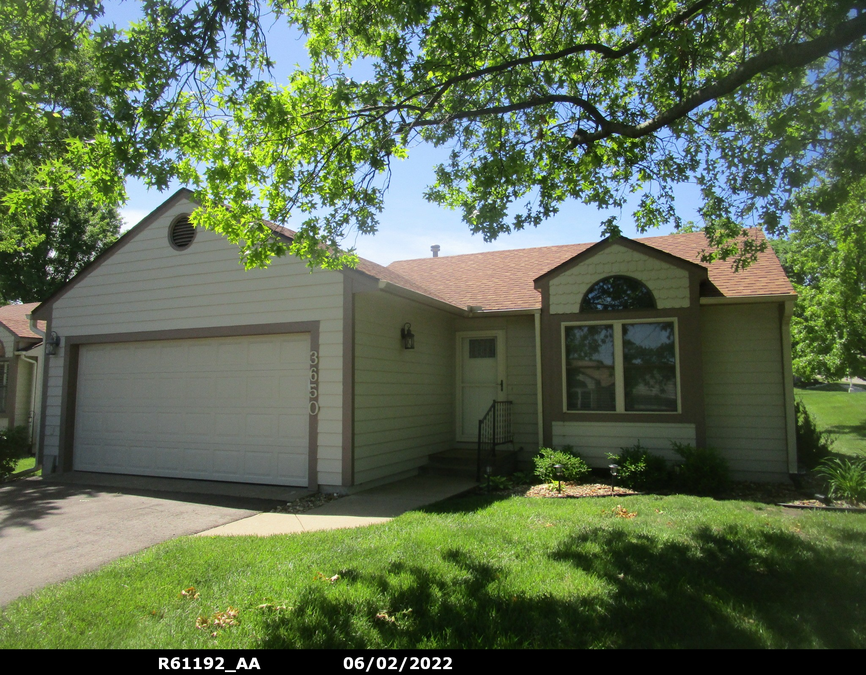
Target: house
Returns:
[[21, 352], [174, 361]]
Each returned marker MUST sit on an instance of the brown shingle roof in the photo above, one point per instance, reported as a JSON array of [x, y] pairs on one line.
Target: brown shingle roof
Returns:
[[370, 268], [14, 319], [503, 280]]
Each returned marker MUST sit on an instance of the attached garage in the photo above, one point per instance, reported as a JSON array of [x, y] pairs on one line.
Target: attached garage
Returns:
[[227, 409]]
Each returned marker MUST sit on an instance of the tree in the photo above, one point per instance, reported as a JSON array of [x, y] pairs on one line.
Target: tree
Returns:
[[70, 235], [826, 259], [540, 101], [48, 108]]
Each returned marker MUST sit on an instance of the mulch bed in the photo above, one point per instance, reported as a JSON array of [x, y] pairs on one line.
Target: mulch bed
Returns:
[[305, 504]]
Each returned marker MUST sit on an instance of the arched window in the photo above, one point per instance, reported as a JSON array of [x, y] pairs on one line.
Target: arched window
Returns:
[[617, 292]]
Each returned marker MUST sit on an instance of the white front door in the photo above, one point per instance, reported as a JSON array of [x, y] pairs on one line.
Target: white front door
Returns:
[[480, 378]]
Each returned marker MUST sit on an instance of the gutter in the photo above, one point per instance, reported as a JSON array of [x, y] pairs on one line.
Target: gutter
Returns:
[[749, 299], [35, 328], [394, 289]]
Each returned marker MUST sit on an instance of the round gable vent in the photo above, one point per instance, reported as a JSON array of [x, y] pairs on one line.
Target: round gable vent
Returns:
[[181, 233]]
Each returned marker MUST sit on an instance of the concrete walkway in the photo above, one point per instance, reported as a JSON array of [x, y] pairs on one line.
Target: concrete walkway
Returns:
[[376, 505]]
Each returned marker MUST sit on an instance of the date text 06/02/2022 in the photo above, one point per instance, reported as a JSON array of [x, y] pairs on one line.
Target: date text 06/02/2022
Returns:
[[380, 663]]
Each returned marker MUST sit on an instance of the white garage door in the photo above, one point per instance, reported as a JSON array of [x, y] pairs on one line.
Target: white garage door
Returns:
[[232, 409]]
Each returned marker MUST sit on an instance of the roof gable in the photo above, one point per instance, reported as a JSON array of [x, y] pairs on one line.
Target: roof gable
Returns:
[[14, 319], [504, 280], [636, 246]]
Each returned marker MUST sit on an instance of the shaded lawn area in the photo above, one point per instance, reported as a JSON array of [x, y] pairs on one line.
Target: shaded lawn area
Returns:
[[482, 572], [840, 413]]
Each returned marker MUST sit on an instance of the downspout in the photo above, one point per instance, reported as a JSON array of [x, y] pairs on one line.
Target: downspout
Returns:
[[539, 397], [35, 328], [786, 311], [38, 385], [33, 435]]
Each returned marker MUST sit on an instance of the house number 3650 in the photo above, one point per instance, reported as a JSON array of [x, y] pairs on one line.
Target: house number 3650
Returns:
[[314, 383]]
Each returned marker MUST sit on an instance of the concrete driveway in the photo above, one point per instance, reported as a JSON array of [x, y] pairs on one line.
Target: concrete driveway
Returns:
[[50, 532]]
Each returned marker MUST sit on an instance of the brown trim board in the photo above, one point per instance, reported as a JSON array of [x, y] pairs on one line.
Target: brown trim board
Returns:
[[46, 359], [348, 451], [70, 375], [636, 246]]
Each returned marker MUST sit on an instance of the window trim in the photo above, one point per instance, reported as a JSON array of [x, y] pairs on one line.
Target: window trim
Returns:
[[618, 366]]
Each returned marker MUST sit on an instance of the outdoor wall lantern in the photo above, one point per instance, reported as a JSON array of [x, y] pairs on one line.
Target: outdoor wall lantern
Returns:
[[407, 336], [52, 343]]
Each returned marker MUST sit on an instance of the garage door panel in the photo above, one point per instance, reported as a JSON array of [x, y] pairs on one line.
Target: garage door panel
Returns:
[[262, 388], [218, 408]]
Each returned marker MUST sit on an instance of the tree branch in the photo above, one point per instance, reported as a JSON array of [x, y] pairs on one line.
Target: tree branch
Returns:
[[502, 109], [786, 56]]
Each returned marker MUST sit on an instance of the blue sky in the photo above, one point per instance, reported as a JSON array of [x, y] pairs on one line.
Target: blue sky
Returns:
[[409, 225]]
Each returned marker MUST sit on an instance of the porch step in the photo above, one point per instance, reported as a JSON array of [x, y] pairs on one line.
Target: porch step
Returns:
[[458, 462]]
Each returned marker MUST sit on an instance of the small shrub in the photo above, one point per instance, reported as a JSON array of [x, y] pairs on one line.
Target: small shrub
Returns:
[[813, 446], [703, 472], [14, 445], [500, 483], [639, 469], [846, 478], [523, 477], [573, 467]]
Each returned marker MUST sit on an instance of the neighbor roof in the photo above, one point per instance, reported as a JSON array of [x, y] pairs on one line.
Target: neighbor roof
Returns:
[[504, 280], [14, 319]]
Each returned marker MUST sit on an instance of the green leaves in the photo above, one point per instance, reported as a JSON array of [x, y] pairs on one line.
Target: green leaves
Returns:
[[826, 258], [543, 103]]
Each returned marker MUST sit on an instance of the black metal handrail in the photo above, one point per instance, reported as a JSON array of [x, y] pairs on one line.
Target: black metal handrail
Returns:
[[493, 429]]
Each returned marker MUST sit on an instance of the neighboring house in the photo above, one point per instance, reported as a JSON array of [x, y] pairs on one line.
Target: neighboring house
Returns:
[[21, 352], [175, 361]]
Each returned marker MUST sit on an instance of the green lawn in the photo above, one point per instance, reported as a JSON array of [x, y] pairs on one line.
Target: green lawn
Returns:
[[24, 464], [840, 413], [643, 571]]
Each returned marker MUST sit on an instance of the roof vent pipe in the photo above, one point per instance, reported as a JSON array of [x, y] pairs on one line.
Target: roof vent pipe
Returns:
[[435, 248]]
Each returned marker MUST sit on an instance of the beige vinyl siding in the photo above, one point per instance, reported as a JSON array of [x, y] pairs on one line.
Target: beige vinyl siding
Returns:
[[148, 286], [669, 284], [743, 388], [404, 399], [521, 381], [593, 440]]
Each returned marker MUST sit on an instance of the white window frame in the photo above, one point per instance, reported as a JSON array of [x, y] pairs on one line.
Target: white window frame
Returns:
[[618, 367]]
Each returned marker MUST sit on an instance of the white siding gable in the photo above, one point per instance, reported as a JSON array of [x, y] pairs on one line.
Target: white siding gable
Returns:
[[669, 284]]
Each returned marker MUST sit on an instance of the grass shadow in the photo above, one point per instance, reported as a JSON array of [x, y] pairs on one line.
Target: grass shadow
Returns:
[[724, 588], [468, 503]]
